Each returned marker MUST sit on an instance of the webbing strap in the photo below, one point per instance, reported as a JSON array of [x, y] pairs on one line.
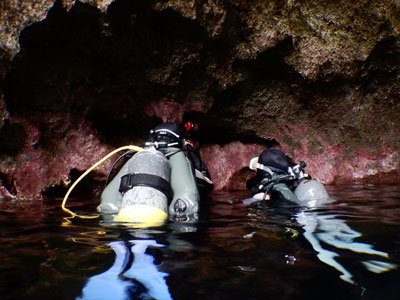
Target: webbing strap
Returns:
[[276, 170], [161, 144], [129, 181], [269, 169], [165, 131]]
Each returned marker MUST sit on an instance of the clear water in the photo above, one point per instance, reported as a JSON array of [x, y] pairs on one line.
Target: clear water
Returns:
[[348, 249]]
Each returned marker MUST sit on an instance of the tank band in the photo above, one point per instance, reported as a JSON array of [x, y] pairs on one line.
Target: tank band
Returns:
[[129, 181]]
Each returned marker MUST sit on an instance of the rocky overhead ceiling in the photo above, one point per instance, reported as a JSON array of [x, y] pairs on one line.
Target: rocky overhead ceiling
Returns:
[[319, 79]]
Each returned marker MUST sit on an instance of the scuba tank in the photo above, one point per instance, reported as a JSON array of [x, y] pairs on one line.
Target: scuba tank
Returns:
[[186, 196], [311, 190], [307, 189], [140, 191]]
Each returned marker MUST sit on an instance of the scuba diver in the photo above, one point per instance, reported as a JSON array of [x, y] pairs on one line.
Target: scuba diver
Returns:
[[280, 181], [164, 179]]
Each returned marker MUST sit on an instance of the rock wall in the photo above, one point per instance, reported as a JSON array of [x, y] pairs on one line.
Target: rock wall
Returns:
[[318, 79]]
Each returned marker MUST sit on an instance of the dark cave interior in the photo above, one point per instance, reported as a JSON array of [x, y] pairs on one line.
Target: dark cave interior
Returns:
[[106, 67]]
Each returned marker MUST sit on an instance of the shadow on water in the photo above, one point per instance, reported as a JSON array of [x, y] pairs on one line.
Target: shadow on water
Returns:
[[345, 249]]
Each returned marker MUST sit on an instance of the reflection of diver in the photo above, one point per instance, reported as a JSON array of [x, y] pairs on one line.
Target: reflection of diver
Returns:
[[334, 232], [133, 275]]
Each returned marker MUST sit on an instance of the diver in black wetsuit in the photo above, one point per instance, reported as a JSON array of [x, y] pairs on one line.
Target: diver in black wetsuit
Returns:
[[277, 176]]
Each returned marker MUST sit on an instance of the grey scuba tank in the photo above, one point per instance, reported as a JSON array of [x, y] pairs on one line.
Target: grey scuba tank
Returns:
[[144, 201], [149, 162], [311, 191]]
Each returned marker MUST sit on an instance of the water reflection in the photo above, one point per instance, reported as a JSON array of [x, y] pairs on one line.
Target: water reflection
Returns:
[[233, 252], [327, 232], [133, 274]]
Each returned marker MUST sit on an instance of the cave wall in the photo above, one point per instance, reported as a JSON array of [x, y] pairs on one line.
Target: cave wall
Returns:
[[318, 80]]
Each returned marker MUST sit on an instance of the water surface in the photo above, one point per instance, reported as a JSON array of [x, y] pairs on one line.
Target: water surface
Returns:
[[347, 249]]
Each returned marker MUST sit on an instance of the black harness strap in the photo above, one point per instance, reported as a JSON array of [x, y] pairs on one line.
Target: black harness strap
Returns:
[[166, 135], [276, 170], [129, 181]]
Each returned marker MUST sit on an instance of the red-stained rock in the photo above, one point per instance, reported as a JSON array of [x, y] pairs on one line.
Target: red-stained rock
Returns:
[[225, 162], [333, 165], [39, 166]]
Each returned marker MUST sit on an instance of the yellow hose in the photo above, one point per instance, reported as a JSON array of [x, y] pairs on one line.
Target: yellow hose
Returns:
[[130, 147]]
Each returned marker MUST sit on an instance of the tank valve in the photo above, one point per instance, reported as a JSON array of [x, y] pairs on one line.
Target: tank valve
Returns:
[[180, 206]]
